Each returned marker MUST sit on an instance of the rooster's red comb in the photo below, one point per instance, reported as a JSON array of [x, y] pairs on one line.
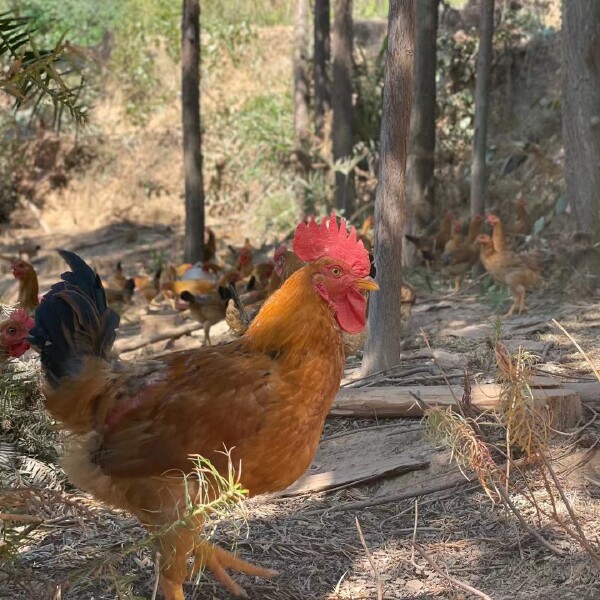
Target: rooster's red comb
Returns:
[[313, 241], [22, 316]]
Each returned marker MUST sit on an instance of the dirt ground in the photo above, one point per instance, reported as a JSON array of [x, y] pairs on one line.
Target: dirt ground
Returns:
[[312, 538]]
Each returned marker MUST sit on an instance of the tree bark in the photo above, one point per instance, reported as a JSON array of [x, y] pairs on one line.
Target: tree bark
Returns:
[[301, 92], [383, 347], [321, 63], [341, 101], [482, 94], [192, 142], [581, 111], [420, 183]]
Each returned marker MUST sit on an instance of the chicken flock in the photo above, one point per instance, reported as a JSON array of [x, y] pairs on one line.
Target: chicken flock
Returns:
[[258, 402]]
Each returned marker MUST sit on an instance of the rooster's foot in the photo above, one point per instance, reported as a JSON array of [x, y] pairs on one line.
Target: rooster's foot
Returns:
[[216, 560]]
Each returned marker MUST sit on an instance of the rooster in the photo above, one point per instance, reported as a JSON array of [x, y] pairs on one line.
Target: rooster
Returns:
[[264, 396], [14, 333]]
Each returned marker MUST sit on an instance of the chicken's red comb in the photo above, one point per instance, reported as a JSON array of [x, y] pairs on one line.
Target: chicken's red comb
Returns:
[[22, 316], [313, 241]]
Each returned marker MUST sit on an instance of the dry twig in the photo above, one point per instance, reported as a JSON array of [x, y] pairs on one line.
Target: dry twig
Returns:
[[378, 582], [453, 580]]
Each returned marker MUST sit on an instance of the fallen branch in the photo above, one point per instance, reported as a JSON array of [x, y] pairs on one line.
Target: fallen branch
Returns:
[[371, 561], [449, 481], [122, 346], [394, 401], [359, 474]]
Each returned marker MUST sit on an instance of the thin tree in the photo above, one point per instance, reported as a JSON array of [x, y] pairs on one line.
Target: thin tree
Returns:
[[321, 57], [193, 247], [383, 347], [581, 111], [420, 183], [341, 102], [482, 95], [301, 96]]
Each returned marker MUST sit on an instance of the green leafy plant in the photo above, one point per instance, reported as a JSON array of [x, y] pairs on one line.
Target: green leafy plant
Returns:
[[35, 76]]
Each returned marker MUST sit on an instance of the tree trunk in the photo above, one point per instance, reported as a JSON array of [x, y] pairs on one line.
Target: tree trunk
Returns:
[[192, 143], [383, 347], [301, 97], [321, 63], [482, 95], [420, 183], [341, 101], [581, 111]]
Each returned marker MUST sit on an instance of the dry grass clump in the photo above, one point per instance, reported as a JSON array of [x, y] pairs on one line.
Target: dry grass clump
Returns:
[[527, 453]]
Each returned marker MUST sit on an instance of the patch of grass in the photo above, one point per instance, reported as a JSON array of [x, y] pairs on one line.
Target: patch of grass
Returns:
[[265, 126], [278, 211]]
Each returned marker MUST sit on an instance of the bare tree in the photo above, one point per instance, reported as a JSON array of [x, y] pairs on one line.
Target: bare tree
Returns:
[[420, 183], [193, 248], [383, 347], [301, 91], [581, 110], [341, 101], [321, 63], [482, 95]]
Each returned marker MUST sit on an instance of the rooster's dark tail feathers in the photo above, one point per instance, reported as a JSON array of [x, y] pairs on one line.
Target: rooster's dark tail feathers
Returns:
[[73, 321]]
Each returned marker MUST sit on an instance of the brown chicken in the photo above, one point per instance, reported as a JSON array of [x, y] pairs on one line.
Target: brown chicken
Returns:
[[366, 233], [264, 397], [14, 334], [522, 223], [148, 287], [432, 246], [456, 237], [28, 285], [532, 259], [459, 259], [207, 309], [510, 269], [210, 245], [286, 263], [498, 237], [120, 288], [244, 259]]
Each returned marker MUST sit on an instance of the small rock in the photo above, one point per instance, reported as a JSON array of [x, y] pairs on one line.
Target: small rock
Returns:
[[414, 585]]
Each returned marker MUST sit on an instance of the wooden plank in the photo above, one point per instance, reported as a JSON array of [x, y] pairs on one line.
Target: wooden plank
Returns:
[[392, 401], [375, 468]]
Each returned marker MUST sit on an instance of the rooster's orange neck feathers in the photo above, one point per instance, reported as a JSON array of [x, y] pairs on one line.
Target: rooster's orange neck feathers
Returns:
[[287, 315]]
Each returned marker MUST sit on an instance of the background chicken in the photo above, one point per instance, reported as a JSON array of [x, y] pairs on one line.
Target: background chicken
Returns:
[[432, 246], [522, 223], [207, 309], [14, 334], [510, 269], [265, 396], [460, 258], [28, 285], [120, 288]]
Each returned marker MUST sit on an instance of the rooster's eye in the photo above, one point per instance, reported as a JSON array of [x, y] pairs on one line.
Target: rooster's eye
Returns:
[[336, 271], [12, 330]]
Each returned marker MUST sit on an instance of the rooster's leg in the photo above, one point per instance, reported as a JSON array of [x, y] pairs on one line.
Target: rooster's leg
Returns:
[[216, 560], [174, 547]]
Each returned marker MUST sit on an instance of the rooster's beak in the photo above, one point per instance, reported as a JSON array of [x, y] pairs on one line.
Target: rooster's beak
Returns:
[[367, 283]]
